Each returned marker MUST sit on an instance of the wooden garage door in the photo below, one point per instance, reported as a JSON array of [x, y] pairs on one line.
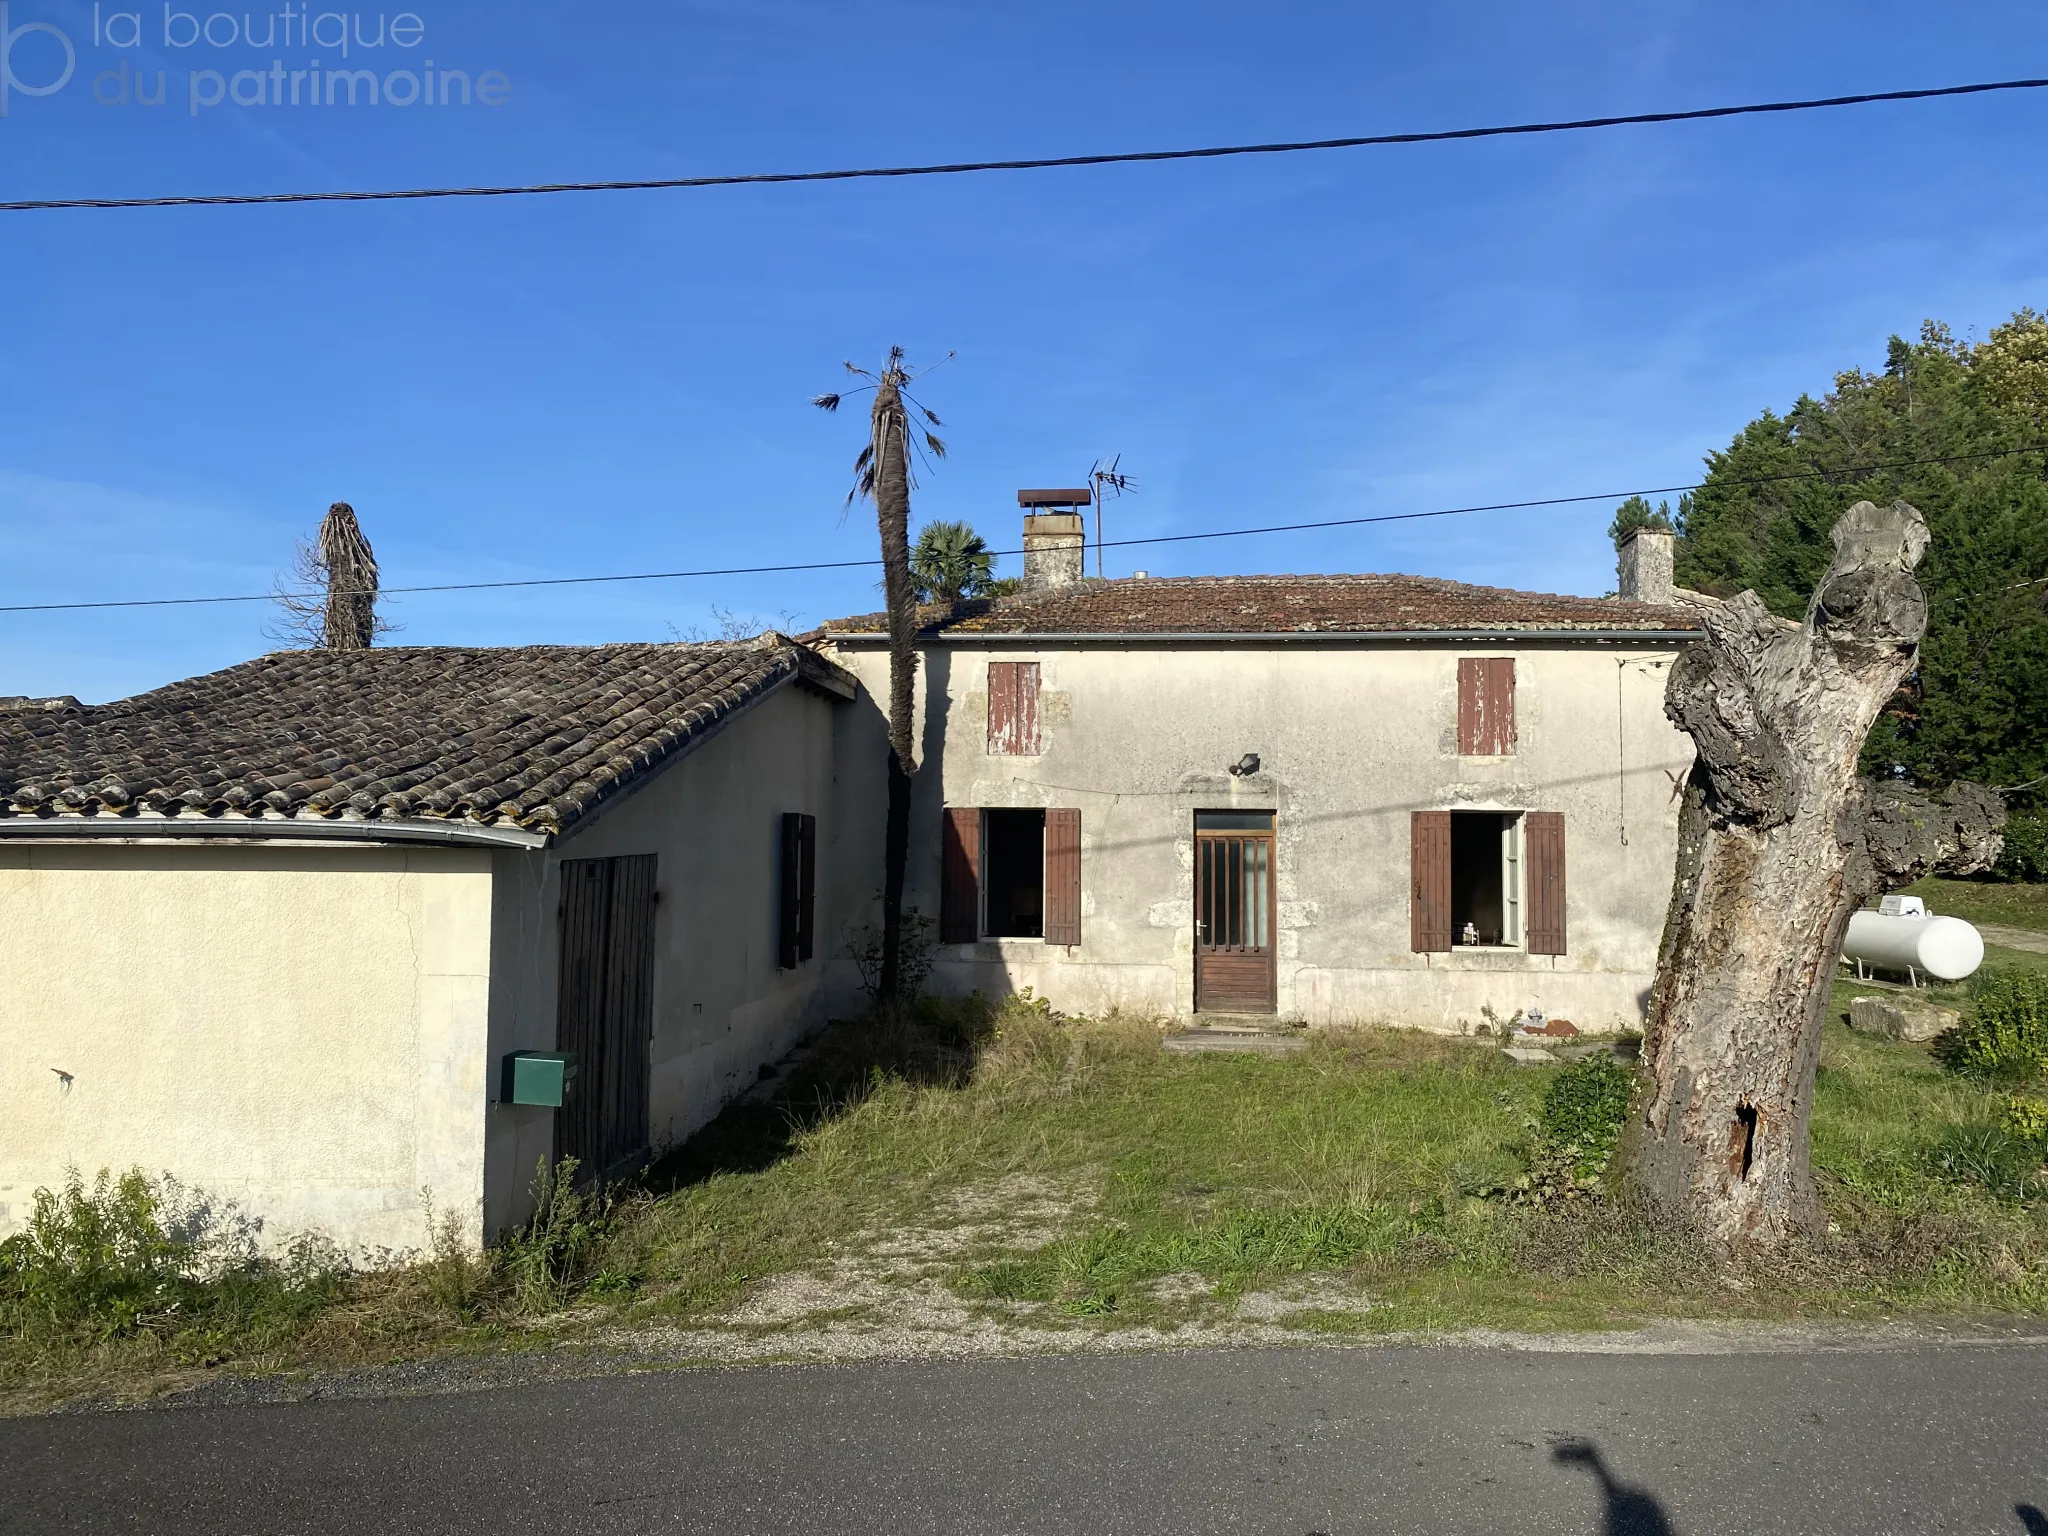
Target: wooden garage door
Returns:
[[605, 1010]]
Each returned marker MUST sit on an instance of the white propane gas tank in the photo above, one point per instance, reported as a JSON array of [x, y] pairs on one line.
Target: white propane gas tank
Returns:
[[1946, 948]]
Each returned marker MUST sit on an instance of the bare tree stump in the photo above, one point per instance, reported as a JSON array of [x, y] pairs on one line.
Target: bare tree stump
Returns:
[[1778, 844]]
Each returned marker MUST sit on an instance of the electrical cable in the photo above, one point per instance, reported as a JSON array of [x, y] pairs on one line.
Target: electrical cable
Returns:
[[1164, 538], [1054, 162]]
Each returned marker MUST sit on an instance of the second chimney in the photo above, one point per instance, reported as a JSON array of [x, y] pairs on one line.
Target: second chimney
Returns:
[[1055, 541], [1645, 566]]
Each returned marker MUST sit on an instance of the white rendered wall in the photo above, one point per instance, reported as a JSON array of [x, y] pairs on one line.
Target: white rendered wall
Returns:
[[1351, 739], [297, 1029]]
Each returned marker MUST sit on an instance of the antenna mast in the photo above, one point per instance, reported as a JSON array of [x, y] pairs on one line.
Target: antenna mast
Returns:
[[1104, 478]]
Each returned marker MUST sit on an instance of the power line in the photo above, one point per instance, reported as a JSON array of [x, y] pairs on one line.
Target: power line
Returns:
[[1132, 157], [1163, 538]]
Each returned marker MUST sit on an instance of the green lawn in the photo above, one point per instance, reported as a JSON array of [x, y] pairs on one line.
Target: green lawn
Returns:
[[1983, 901], [1013, 1170]]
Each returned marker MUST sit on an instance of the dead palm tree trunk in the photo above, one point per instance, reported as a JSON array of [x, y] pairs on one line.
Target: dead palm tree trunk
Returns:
[[349, 622], [1779, 843], [890, 437], [883, 473]]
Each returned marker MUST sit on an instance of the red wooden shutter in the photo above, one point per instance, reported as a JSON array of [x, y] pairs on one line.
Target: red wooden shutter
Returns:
[[960, 876], [1429, 872], [1013, 708], [1063, 877], [1486, 706], [1543, 835]]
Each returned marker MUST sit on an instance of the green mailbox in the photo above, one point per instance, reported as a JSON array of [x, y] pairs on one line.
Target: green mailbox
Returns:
[[539, 1077]]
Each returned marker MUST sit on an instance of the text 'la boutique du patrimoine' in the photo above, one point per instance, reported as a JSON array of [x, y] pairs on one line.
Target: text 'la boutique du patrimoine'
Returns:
[[351, 74]]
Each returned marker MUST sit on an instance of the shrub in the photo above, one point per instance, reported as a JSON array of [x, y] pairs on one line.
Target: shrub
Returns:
[[2025, 856], [94, 1260], [2005, 1034], [2026, 1120], [1584, 1109]]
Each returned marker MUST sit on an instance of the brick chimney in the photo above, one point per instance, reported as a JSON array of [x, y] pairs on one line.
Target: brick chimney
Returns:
[[1055, 537], [1645, 566]]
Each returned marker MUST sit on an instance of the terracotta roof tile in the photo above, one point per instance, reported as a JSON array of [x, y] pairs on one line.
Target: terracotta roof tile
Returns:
[[1254, 605], [534, 736]]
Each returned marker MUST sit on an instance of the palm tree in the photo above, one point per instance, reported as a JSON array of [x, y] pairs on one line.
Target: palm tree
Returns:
[[950, 564], [882, 474]]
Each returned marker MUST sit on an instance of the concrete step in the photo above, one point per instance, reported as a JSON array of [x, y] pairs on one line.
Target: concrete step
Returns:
[[1244, 1041]]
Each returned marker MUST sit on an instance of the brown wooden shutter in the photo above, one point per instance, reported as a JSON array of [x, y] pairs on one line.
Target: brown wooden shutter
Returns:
[[807, 895], [798, 935], [1486, 706], [1063, 877], [1013, 708], [1543, 835], [1429, 873], [960, 876], [792, 890]]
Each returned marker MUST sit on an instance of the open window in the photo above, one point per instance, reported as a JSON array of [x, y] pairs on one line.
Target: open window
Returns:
[[1010, 874], [1013, 874], [1486, 879]]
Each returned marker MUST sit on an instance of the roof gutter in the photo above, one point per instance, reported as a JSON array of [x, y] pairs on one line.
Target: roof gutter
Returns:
[[141, 828], [1044, 639]]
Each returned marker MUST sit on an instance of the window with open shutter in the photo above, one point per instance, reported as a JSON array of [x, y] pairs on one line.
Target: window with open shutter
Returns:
[[1543, 836], [799, 889], [1062, 877], [1486, 706], [1429, 875], [1013, 708], [960, 876]]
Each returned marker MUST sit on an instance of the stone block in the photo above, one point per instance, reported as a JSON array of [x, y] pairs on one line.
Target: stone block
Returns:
[[1901, 1018]]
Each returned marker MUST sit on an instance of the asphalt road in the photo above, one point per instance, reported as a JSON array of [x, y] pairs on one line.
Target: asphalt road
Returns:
[[1285, 1441]]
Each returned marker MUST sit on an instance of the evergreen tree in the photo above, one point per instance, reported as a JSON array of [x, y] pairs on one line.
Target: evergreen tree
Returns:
[[1977, 705]]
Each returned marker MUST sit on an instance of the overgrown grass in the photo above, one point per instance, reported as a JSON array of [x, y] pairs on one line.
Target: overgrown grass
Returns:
[[1984, 901], [1164, 1186]]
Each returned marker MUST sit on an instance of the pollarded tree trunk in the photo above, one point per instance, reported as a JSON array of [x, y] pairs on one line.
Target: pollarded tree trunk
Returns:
[[349, 620], [1773, 858]]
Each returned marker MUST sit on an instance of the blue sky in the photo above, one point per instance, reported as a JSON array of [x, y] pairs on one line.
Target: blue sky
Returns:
[[571, 386]]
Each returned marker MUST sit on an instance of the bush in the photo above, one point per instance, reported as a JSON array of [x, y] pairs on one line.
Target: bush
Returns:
[[2026, 1120], [135, 1255], [2005, 1034], [94, 1260], [1584, 1109], [2025, 856]]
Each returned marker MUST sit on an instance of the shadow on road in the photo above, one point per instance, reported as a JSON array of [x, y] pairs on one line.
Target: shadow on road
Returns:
[[2032, 1518], [1630, 1511]]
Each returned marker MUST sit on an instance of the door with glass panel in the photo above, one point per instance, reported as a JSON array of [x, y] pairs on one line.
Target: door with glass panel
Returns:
[[1234, 919]]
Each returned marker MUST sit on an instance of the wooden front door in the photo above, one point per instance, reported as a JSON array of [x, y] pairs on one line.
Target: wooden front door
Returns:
[[1234, 917], [604, 1010]]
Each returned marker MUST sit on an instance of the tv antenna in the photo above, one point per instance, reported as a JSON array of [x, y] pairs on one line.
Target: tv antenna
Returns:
[[1104, 479]]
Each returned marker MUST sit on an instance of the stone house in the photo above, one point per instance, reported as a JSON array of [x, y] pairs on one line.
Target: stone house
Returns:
[[286, 930], [1329, 798]]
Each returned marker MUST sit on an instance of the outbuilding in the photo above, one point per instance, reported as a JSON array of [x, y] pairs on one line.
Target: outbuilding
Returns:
[[306, 933]]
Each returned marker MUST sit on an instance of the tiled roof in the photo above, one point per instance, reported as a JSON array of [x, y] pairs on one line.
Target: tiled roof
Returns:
[[529, 736], [1256, 605]]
